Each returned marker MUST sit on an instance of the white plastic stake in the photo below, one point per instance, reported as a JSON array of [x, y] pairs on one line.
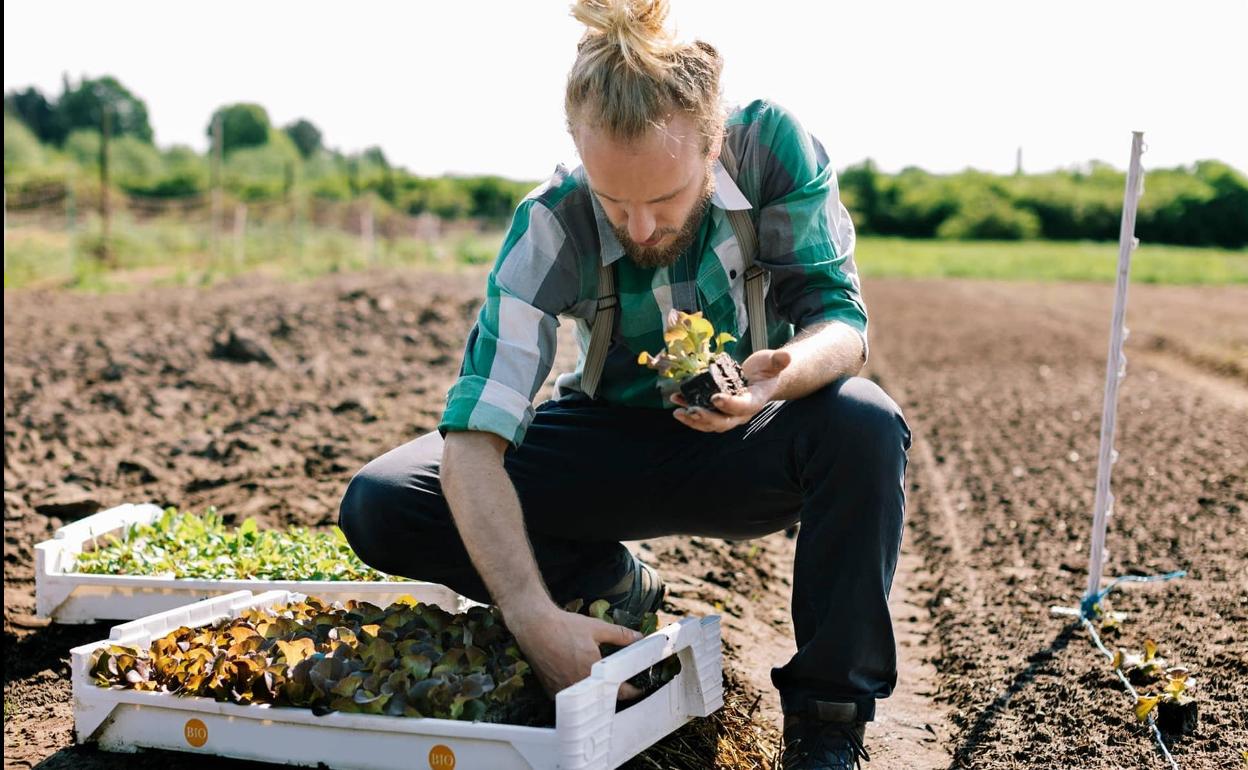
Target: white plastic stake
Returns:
[[1116, 365]]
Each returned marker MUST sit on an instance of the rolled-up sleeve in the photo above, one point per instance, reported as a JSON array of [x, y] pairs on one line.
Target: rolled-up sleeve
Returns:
[[806, 238], [511, 348]]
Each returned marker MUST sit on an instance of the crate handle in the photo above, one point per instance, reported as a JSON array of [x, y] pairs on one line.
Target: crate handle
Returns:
[[592, 736], [97, 524]]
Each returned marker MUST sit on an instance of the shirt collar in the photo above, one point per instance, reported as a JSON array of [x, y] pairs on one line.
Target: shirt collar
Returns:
[[727, 196]]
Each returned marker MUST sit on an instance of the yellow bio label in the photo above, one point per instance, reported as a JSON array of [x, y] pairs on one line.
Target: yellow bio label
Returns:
[[441, 758], [195, 732]]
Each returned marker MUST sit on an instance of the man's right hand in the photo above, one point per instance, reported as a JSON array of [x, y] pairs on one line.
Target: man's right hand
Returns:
[[562, 646]]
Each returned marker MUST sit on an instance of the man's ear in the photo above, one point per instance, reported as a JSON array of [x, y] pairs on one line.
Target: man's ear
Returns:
[[717, 145]]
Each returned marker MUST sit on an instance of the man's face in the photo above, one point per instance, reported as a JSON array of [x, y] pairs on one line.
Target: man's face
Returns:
[[654, 190]]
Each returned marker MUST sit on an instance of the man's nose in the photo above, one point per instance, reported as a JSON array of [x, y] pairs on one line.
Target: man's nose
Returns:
[[640, 226]]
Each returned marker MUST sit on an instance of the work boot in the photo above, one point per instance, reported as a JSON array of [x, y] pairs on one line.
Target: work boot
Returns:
[[817, 744], [639, 591], [628, 585]]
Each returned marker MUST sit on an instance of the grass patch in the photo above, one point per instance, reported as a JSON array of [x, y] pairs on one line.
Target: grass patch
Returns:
[[1047, 261], [176, 253], [173, 252]]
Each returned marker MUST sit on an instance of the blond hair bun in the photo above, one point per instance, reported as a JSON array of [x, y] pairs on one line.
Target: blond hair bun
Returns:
[[636, 26], [630, 72]]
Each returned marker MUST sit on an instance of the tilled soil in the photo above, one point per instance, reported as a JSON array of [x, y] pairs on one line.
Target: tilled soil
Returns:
[[262, 398], [1004, 384]]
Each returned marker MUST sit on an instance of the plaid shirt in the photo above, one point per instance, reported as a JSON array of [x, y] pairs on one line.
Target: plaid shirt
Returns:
[[548, 267]]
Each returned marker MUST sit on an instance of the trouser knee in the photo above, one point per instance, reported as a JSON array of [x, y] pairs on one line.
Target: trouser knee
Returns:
[[364, 497], [857, 411]]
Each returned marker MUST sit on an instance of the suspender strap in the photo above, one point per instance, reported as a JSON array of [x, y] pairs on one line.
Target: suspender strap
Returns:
[[743, 226], [603, 325], [601, 330]]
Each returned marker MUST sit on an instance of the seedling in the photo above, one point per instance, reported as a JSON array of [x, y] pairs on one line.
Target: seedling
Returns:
[[184, 545], [695, 359], [1176, 709], [407, 660]]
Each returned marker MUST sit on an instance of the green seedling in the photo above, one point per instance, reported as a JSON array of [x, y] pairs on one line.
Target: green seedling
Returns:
[[184, 545]]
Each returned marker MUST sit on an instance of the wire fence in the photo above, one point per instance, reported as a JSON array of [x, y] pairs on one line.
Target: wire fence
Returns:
[[59, 232]]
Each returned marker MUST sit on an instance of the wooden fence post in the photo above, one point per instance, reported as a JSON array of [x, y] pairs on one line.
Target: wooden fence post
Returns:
[[240, 234], [367, 240]]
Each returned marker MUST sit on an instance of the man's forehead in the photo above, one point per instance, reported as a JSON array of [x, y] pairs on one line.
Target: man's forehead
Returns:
[[675, 135]]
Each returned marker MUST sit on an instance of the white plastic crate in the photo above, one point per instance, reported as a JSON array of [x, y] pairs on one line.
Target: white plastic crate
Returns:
[[588, 735], [67, 596]]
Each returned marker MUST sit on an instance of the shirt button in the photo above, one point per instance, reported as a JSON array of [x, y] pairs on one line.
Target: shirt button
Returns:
[[732, 273]]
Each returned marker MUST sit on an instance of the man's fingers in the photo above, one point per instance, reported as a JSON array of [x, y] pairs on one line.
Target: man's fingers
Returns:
[[629, 692], [678, 398], [738, 406], [713, 421], [606, 633]]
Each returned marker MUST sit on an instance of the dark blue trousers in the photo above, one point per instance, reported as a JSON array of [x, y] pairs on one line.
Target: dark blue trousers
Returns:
[[590, 475]]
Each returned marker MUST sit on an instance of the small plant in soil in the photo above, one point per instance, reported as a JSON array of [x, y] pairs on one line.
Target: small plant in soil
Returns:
[[1162, 687], [409, 660], [185, 545], [695, 359]]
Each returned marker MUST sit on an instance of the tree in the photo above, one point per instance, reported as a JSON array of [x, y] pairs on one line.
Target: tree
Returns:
[[242, 125], [83, 105], [493, 197], [860, 187], [306, 136], [40, 116], [375, 157]]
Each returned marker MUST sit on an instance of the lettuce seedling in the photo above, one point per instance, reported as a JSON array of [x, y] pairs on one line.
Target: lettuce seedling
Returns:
[[1176, 709], [186, 545], [409, 659], [695, 359]]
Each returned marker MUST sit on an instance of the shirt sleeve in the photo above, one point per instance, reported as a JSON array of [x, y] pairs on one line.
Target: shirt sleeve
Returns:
[[511, 348], [806, 238]]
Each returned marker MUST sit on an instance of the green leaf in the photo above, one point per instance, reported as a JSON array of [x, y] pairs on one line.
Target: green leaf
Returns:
[[599, 609]]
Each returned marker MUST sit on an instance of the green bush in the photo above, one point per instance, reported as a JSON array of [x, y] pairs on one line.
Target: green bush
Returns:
[[83, 106], [242, 126], [22, 151], [988, 217], [264, 172]]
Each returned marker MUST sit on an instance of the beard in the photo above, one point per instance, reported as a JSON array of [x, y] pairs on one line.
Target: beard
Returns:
[[651, 257]]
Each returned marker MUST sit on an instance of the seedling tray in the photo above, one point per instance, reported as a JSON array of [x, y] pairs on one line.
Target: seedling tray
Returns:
[[589, 734], [67, 596]]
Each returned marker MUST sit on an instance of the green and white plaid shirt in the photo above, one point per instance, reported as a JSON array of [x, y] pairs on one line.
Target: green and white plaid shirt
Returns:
[[548, 267]]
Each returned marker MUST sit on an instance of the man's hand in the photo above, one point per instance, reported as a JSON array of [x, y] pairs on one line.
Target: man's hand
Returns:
[[563, 646], [762, 372]]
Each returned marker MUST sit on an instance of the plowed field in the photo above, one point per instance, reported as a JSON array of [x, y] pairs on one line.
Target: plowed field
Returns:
[[262, 398]]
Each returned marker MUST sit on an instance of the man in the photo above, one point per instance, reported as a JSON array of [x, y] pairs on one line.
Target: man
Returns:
[[526, 508]]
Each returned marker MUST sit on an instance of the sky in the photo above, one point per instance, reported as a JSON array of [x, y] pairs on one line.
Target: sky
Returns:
[[477, 87]]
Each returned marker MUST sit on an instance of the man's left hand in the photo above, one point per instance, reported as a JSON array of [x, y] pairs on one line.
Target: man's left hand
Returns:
[[762, 371]]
